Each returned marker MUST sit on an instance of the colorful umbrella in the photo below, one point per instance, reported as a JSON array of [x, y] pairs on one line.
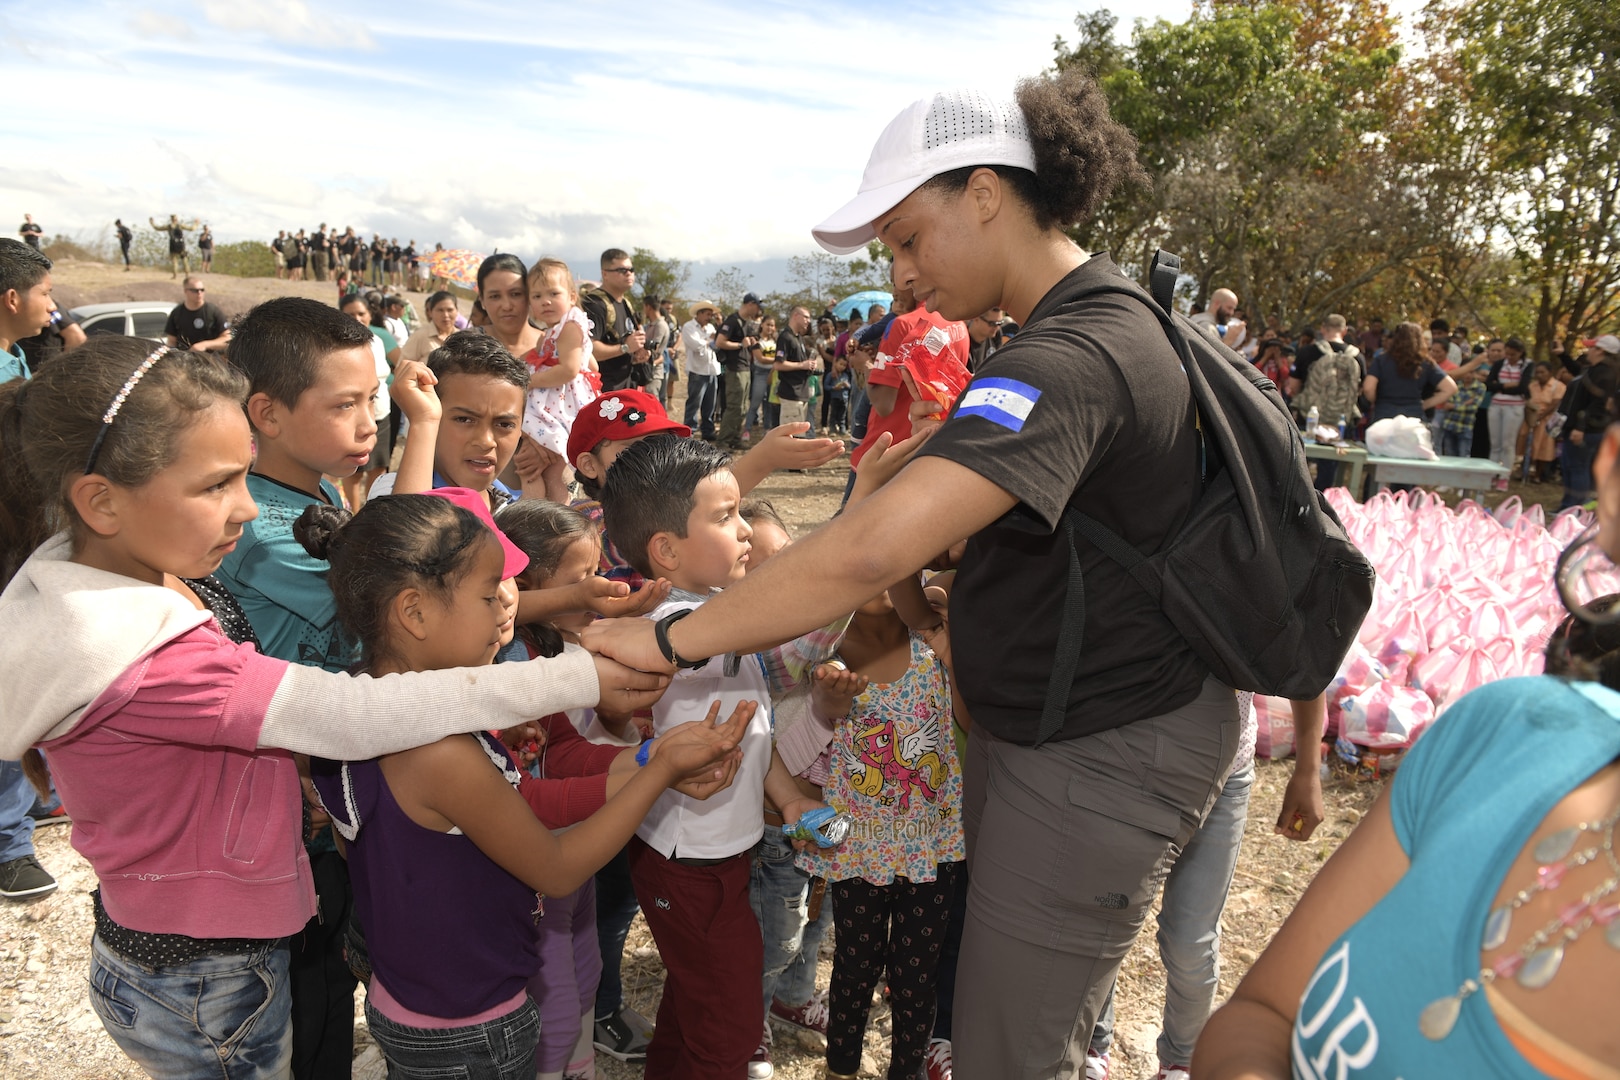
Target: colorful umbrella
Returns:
[[458, 266], [862, 300]]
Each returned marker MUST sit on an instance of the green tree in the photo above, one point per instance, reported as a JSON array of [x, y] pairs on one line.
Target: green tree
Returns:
[[726, 287], [1538, 98], [660, 277]]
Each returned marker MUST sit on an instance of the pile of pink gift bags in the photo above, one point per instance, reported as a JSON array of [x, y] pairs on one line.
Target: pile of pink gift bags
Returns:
[[1464, 597]]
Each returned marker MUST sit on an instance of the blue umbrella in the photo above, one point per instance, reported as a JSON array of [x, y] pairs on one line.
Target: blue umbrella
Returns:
[[862, 300]]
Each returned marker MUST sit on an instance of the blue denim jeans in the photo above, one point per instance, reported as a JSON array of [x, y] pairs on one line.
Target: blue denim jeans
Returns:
[[16, 799], [215, 1018], [700, 390], [1456, 443], [758, 390], [1190, 925], [1576, 465], [498, 1049], [779, 892]]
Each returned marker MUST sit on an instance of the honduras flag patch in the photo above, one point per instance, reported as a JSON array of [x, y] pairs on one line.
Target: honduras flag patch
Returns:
[[1001, 401]]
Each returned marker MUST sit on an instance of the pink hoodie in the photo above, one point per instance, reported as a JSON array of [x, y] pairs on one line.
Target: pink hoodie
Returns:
[[170, 743]]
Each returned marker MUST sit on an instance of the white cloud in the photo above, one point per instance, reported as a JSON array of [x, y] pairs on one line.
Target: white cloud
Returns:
[[288, 21], [705, 131], [156, 25]]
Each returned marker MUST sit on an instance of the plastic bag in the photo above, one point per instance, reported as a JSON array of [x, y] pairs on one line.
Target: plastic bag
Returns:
[[1400, 437], [1387, 716], [1275, 720]]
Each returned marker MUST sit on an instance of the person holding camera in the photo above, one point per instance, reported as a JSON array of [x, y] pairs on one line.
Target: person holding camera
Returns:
[[617, 340], [734, 344]]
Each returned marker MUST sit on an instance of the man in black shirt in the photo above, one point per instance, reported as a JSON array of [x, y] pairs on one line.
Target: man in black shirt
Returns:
[[318, 252], [737, 335], [125, 237], [795, 363], [30, 231], [196, 324], [617, 340]]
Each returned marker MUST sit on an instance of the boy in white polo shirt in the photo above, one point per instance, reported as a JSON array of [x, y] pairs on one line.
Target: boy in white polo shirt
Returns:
[[671, 508]]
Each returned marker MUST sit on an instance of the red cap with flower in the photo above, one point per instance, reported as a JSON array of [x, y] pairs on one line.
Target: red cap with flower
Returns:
[[618, 415]]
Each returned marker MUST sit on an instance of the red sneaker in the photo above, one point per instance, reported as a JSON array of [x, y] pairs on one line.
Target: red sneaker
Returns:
[[811, 1016], [937, 1061]]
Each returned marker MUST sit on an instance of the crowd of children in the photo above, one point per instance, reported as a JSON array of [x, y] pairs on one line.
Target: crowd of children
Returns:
[[205, 592]]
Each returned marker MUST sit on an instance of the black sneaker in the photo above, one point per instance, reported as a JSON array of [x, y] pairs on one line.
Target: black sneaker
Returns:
[[616, 1038], [24, 879]]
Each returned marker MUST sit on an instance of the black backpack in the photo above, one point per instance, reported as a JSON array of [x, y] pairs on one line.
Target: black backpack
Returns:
[[1261, 580]]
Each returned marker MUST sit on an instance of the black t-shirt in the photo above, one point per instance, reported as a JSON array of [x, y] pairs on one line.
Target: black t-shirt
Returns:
[[125, 236], [189, 327], [611, 322], [46, 345], [177, 239], [1087, 404], [205, 242], [317, 242], [792, 385], [31, 232], [735, 328]]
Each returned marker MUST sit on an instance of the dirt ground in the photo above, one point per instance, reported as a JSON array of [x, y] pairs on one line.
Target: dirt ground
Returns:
[[48, 1031], [75, 283]]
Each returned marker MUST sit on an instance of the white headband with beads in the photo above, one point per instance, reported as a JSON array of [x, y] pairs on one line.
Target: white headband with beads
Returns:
[[111, 414]]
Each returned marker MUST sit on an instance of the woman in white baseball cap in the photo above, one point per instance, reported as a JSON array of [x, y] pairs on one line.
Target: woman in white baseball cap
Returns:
[[1077, 794]]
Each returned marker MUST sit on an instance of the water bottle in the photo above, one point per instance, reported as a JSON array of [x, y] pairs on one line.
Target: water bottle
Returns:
[[1343, 424], [1312, 419]]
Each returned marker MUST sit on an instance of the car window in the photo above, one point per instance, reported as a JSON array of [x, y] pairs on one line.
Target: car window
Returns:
[[149, 324], [110, 323]]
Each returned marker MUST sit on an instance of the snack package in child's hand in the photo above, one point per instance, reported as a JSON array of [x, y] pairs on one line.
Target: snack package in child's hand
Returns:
[[937, 373]]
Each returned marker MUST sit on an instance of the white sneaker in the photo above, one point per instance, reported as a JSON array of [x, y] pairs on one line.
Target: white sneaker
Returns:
[[1096, 1066], [759, 1066], [1174, 1072]]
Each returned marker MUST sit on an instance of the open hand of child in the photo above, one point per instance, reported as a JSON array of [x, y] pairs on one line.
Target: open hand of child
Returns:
[[412, 390], [703, 755], [779, 449], [625, 689], [614, 600], [835, 689], [884, 459]]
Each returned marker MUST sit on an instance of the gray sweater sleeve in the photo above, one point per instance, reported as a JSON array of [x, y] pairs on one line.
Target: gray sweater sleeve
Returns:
[[356, 717]]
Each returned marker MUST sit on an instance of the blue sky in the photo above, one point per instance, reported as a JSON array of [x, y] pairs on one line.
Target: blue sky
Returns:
[[712, 132]]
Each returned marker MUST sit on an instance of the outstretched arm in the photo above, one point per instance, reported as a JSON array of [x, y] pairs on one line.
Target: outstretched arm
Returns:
[[931, 505]]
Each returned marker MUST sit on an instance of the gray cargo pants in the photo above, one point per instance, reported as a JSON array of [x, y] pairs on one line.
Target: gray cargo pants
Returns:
[[1067, 846]]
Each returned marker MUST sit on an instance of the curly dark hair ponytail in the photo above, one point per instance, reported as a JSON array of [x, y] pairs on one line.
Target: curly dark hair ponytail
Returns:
[[1082, 154]]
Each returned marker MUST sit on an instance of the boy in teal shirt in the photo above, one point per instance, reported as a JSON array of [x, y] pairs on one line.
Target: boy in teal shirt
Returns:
[[25, 303]]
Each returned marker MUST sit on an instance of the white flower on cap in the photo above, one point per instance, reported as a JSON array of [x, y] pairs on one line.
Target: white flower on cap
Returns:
[[954, 129], [611, 407]]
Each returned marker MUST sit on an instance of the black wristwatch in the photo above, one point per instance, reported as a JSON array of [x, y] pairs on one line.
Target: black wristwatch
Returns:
[[661, 634]]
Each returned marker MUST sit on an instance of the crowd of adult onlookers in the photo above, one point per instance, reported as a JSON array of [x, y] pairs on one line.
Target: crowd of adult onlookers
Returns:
[[320, 255], [1482, 396]]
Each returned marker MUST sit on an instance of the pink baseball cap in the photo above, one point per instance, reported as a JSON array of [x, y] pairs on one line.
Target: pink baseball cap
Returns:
[[478, 503], [954, 129]]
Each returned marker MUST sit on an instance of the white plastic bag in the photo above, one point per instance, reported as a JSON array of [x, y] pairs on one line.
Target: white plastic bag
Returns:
[[1402, 437]]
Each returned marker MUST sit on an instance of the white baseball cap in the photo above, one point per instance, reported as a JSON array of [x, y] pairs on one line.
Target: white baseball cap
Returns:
[[1609, 344], [954, 129]]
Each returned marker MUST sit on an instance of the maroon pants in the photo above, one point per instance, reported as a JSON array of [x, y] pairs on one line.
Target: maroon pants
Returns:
[[712, 1016]]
